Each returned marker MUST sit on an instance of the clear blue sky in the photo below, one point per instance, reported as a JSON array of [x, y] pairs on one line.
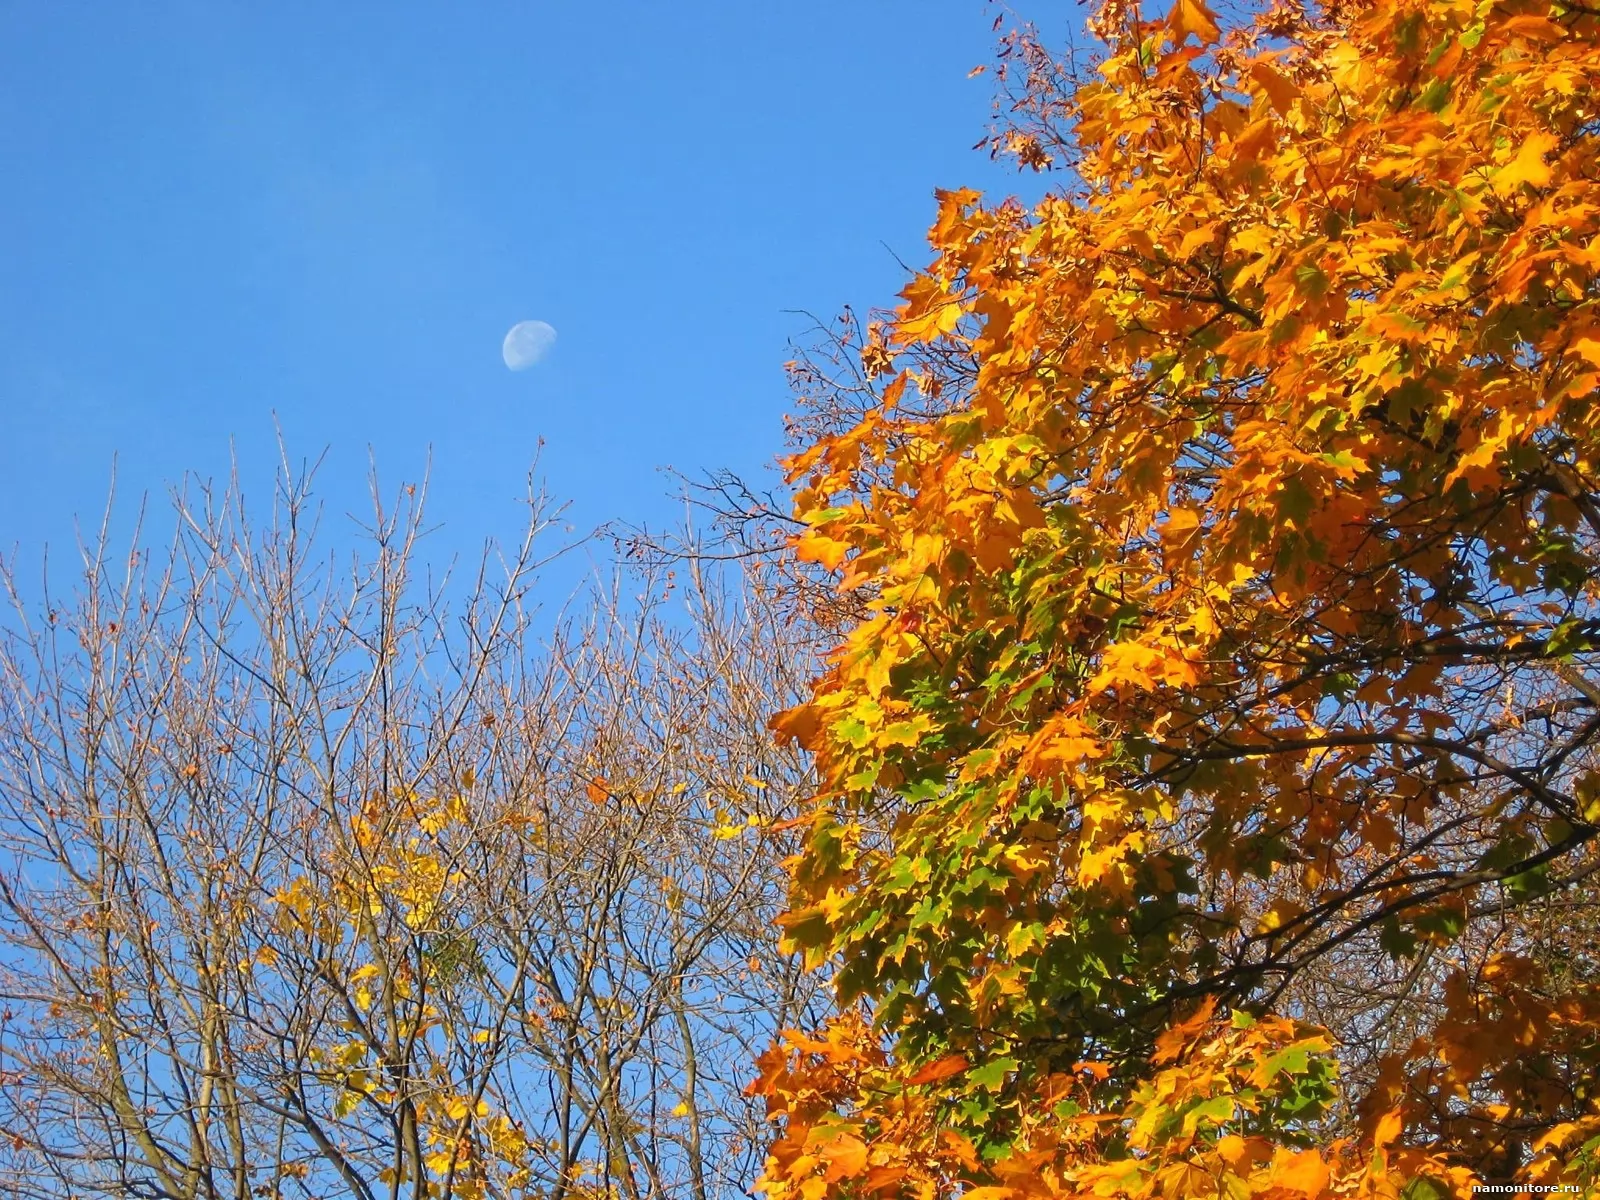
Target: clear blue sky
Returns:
[[217, 211]]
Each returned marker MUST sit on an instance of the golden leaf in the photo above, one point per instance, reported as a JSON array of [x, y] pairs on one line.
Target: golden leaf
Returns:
[[1527, 166], [1303, 1172], [1192, 16]]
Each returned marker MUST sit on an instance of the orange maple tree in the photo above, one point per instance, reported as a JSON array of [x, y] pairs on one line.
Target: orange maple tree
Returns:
[[1225, 530]]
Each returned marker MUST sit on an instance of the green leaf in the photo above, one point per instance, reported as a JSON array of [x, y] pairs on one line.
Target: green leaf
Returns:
[[853, 731], [1569, 637], [1445, 922], [1528, 884], [1313, 280], [1424, 1188], [1344, 460], [992, 1075], [1217, 1110], [1294, 500], [1340, 685], [1292, 1060], [1513, 846], [1395, 940]]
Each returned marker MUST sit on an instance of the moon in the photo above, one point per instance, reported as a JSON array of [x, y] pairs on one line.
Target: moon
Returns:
[[527, 343]]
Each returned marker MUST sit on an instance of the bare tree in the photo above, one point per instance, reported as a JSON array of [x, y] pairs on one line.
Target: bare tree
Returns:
[[323, 876]]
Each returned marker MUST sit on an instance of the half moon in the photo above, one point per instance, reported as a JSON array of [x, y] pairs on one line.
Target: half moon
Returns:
[[527, 343]]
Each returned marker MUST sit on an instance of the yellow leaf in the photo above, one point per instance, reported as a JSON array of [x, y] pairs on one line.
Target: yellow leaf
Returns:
[[1180, 526], [1142, 666], [1281, 912], [1195, 239], [1192, 16], [1389, 1128], [1527, 167], [440, 1161], [1280, 89], [1181, 1180], [941, 318], [1556, 1136], [813, 547]]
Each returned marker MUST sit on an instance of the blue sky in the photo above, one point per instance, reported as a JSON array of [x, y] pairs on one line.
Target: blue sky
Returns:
[[214, 212]]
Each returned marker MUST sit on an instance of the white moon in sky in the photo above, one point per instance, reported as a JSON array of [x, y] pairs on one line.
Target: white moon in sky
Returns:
[[527, 343]]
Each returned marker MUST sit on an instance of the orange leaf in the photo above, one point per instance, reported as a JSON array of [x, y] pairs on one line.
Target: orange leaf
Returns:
[[1064, 740], [881, 1177], [1302, 1172], [943, 1069], [846, 1155], [1192, 16], [1389, 1128], [1589, 348], [1170, 1044], [798, 724], [1231, 1149], [1280, 90], [961, 1147]]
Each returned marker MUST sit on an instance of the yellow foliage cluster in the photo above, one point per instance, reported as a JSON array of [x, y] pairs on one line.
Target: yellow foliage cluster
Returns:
[[1231, 612]]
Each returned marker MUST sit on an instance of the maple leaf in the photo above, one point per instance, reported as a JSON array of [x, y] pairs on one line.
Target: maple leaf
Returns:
[[1279, 88], [1527, 167], [1193, 16], [1303, 1171], [846, 1155], [953, 1064], [826, 551]]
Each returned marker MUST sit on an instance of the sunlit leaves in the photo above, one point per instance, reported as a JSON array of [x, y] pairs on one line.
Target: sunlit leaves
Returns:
[[1230, 612]]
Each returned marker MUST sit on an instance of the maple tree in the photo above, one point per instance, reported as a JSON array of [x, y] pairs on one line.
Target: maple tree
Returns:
[[1224, 531]]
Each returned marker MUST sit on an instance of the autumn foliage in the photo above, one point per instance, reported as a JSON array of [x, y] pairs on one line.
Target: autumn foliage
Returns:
[[325, 876], [1211, 783]]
